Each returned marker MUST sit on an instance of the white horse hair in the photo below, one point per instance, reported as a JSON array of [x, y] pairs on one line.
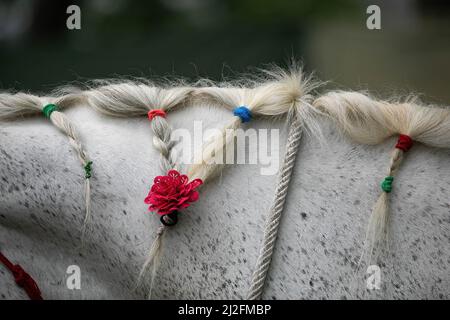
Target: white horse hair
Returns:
[[280, 93], [370, 121], [18, 105], [277, 94], [274, 93], [137, 98]]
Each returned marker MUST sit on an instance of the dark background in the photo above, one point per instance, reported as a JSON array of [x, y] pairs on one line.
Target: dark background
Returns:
[[216, 38]]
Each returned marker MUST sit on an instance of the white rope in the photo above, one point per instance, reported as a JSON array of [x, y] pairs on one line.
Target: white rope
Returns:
[[274, 218]]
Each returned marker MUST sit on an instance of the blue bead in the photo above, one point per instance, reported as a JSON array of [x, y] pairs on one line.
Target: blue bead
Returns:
[[244, 113]]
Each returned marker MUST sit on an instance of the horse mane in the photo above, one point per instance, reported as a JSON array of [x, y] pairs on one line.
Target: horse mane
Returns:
[[274, 93], [271, 93], [370, 121], [18, 105]]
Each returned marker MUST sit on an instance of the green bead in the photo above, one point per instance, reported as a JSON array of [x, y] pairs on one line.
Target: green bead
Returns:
[[386, 185], [48, 109], [88, 170]]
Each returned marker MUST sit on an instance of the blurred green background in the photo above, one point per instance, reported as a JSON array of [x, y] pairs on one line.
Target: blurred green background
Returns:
[[216, 38]]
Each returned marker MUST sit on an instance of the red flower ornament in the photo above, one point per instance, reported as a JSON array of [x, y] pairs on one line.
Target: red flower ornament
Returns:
[[172, 192]]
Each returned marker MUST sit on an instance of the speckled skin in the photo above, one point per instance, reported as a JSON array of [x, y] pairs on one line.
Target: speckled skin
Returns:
[[212, 251]]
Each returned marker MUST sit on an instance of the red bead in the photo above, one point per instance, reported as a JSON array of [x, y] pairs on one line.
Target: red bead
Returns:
[[156, 113], [404, 142]]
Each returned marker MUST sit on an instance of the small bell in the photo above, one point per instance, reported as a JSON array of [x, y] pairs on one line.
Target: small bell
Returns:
[[170, 219]]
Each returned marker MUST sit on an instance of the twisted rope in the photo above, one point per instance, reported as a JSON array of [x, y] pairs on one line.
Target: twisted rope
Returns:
[[22, 278], [273, 221]]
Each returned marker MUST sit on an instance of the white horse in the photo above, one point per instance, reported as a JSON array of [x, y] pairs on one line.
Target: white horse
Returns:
[[212, 251]]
